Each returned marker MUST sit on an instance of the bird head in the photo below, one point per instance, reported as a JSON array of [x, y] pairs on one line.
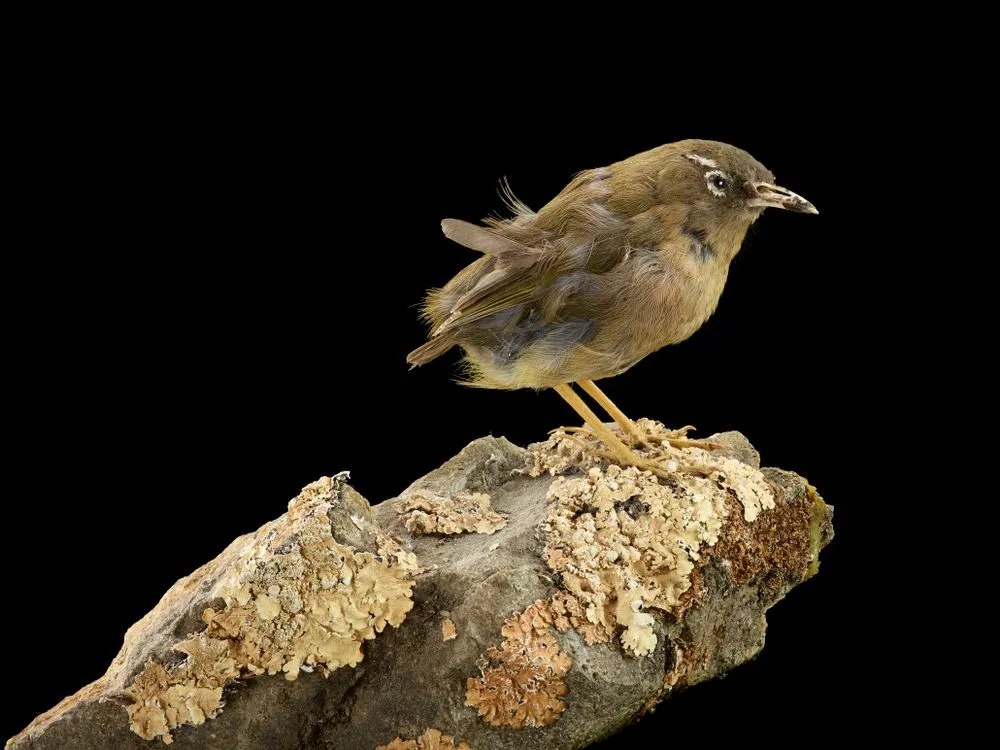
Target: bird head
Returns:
[[722, 189]]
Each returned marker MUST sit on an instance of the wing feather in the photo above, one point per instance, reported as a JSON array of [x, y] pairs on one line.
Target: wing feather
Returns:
[[540, 262]]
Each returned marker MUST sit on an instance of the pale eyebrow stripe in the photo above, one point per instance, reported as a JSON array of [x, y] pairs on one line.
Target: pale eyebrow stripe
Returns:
[[701, 160]]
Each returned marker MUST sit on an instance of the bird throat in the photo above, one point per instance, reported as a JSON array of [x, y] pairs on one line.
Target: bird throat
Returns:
[[700, 248]]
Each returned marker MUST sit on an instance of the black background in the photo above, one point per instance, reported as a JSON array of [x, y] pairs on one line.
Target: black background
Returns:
[[221, 289]]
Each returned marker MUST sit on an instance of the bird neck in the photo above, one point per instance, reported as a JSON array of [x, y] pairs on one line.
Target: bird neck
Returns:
[[713, 240]]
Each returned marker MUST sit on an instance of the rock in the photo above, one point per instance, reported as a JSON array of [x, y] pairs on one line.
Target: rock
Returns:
[[335, 626]]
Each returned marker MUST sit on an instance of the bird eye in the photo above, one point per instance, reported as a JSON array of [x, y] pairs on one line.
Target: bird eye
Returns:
[[717, 182]]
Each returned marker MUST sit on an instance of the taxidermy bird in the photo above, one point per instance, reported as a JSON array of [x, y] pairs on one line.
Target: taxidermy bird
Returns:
[[625, 260]]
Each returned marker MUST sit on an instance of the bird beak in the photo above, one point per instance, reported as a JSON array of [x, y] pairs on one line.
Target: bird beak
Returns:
[[772, 196]]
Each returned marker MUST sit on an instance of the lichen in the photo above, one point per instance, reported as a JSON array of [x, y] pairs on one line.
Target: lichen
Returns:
[[624, 541], [296, 600], [559, 454], [817, 514], [432, 739], [190, 693], [638, 637], [427, 513], [448, 630], [783, 547], [564, 452], [569, 613], [521, 683], [390, 549]]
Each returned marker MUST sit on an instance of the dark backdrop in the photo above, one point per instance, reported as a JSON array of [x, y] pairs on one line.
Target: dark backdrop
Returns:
[[220, 293]]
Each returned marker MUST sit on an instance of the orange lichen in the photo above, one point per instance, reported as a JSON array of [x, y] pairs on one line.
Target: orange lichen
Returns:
[[448, 630], [295, 600], [522, 681], [783, 544], [427, 513], [432, 739]]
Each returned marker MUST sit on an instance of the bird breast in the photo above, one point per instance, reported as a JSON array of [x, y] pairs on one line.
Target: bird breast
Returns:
[[673, 295]]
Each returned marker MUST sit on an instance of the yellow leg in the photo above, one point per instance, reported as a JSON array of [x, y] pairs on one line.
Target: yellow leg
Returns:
[[620, 452], [628, 426]]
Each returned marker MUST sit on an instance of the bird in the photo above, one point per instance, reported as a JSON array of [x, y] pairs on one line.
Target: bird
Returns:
[[625, 260]]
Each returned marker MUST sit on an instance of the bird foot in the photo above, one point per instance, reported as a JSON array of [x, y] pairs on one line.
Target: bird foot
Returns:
[[680, 432], [675, 438], [573, 431], [705, 445], [659, 468], [662, 466]]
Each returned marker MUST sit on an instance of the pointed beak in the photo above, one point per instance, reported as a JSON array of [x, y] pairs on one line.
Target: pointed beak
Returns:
[[772, 196]]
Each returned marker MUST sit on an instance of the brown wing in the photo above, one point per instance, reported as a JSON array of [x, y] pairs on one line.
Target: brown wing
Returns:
[[534, 258], [501, 280], [497, 281]]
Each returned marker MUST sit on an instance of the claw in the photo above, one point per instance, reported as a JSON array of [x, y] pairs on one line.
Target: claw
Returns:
[[681, 432], [568, 430], [703, 444], [585, 445]]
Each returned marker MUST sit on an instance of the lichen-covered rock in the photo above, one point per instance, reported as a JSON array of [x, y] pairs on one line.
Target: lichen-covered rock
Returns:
[[295, 600], [603, 587], [425, 512], [623, 540], [521, 682], [432, 739]]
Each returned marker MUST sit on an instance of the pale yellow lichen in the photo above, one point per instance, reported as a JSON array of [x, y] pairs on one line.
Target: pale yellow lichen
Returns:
[[427, 513], [624, 541], [448, 630], [522, 681], [432, 739], [746, 482], [295, 600], [559, 454], [391, 550], [190, 693], [569, 613], [268, 607], [563, 452], [638, 637]]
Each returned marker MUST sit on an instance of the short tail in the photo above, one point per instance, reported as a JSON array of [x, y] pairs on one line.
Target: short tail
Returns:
[[430, 351]]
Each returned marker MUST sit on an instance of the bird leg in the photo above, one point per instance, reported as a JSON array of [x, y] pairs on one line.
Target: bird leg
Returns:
[[620, 452], [676, 438], [628, 426]]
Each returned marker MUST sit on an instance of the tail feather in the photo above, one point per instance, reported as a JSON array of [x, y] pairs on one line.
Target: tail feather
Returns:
[[430, 351], [510, 253]]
